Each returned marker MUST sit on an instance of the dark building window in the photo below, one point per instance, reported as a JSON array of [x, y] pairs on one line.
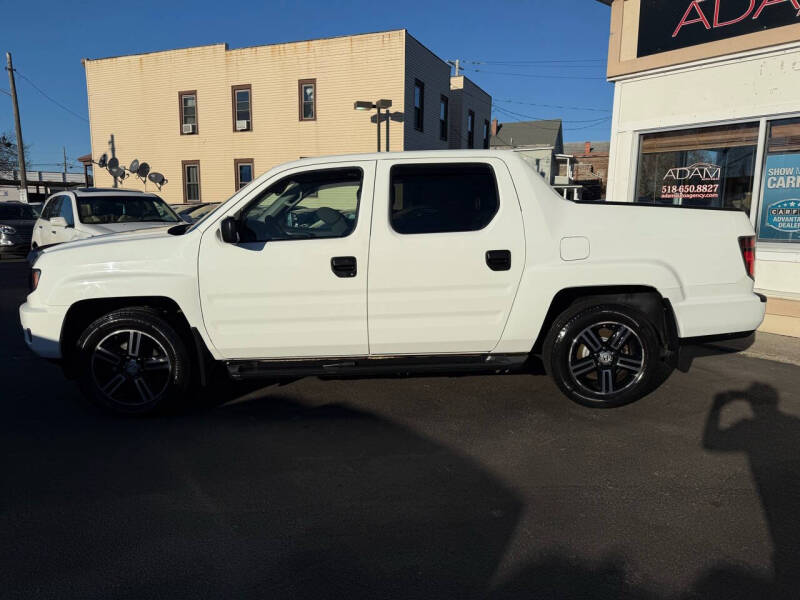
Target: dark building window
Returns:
[[191, 181], [443, 110], [419, 105], [307, 89], [470, 129], [442, 198], [486, 135], [242, 110], [187, 104], [244, 171]]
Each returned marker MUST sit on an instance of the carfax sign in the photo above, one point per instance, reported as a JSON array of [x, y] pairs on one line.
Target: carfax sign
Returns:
[[780, 205]]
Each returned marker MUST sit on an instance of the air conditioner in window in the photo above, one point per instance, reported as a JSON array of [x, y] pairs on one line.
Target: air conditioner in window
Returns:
[[188, 128], [242, 125]]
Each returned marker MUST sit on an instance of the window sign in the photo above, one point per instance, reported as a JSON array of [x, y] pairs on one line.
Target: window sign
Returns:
[[780, 205], [705, 166]]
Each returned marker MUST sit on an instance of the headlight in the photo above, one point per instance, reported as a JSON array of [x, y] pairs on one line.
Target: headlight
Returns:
[[7, 229], [36, 274]]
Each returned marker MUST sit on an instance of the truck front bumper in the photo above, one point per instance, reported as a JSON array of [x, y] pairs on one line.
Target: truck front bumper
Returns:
[[41, 327]]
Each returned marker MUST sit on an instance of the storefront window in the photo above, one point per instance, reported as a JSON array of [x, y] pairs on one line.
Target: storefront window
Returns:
[[780, 202], [706, 166]]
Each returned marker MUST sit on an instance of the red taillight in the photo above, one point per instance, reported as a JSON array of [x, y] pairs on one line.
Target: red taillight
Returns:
[[748, 246]]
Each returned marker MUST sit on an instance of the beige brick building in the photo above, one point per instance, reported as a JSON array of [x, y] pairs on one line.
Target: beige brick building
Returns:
[[210, 117]]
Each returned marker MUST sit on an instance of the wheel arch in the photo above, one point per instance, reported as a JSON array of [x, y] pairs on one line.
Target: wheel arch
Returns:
[[644, 298], [82, 313]]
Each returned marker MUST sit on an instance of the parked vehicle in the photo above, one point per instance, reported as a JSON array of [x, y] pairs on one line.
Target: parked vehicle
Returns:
[[467, 260], [16, 228], [99, 211], [193, 212]]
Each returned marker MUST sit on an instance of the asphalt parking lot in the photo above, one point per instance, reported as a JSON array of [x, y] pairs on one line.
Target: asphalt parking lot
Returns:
[[452, 487]]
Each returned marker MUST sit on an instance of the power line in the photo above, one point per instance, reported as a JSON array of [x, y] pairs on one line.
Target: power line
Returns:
[[590, 126], [605, 110], [56, 102], [535, 62], [6, 93], [533, 76], [514, 113]]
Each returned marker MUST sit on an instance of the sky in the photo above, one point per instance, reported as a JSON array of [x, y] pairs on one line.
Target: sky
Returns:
[[536, 58]]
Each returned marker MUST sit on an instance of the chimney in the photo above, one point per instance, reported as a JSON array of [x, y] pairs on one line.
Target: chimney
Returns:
[[494, 126], [588, 148]]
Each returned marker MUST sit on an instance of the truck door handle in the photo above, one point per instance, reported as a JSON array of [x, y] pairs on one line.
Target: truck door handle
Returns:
[[498, 260], [344, 266]]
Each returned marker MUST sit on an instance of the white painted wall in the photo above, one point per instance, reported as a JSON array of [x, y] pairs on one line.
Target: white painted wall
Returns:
[[750, 86]]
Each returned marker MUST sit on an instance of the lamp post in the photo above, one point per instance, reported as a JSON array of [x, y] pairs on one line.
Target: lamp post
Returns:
[[379, 105]]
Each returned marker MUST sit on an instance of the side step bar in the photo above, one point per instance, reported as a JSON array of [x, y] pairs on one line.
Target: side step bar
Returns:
[[375, 365]]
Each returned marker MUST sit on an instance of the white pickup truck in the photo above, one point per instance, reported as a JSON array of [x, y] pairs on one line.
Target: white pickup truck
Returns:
[[440, 261]]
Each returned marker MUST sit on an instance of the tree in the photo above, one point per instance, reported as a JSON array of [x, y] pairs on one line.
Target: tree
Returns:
[[8, 152]]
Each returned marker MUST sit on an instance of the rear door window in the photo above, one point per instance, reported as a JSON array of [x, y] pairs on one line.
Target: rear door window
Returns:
[[442, 198]]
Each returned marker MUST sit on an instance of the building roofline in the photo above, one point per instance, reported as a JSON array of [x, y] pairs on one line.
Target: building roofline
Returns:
[[229, 49]]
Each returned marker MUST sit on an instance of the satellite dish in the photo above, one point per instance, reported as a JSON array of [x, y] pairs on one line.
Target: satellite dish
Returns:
[[157, 178], [117, 171], [103, 160], [143, 170], [134, 166], [113, 164]]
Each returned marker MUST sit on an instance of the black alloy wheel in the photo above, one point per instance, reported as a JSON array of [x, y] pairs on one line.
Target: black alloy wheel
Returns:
[[604, 355]]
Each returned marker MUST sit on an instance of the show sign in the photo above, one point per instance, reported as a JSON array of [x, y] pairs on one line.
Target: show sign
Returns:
[[780, 205], [666, 25]]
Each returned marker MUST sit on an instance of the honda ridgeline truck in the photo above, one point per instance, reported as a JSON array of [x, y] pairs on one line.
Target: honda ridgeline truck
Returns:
[[440, 261]]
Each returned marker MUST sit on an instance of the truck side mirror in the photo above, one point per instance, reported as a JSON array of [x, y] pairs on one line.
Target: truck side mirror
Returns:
[[229, 230]]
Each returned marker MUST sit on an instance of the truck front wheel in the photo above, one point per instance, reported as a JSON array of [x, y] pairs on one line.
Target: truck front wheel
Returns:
[[604, 356], [132, 361]]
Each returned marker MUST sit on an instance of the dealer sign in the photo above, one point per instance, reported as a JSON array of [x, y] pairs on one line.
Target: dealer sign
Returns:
[[666, 25], [780, 211]]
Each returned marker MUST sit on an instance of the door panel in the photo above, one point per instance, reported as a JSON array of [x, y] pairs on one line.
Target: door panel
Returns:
[[442, 292], [291, 297]]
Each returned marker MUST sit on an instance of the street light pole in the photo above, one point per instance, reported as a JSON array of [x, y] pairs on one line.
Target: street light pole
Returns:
[[23, 174], [378, 121]]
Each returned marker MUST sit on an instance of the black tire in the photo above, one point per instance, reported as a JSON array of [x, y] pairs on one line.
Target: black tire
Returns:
[[133, 362], [604, 355]]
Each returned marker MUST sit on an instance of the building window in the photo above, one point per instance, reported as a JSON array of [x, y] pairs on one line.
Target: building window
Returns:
[[780, 199], [187, 102], [244, 171], [442, 198], [485, 135], [419, 105], [242, 110], [470, 129], [443, 109], [307, 89], [191, 181], [704, 166]]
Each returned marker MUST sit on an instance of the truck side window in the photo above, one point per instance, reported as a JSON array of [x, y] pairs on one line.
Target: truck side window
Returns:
[[312, 204], [442, 198]]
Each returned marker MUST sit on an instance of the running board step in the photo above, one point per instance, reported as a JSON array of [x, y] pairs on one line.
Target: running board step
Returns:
[[375, 365]]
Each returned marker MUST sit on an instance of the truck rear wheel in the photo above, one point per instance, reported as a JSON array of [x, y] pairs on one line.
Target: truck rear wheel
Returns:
[[133, 362], [604, 356]]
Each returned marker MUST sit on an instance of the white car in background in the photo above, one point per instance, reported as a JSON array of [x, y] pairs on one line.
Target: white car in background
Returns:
[[86, 212]]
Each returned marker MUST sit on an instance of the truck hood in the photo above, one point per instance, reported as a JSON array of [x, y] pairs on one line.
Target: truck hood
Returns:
[[106, 228], [113, 239]]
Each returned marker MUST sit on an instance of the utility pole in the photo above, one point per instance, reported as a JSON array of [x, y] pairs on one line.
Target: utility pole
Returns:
[[23, 175], [113, 153], [65, 163], [378, 123]]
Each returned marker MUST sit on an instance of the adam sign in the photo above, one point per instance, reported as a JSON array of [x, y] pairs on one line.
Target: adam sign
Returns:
[[669, 25]]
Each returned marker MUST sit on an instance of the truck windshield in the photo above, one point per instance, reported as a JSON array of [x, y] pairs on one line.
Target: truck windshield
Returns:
[[124, 209]]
